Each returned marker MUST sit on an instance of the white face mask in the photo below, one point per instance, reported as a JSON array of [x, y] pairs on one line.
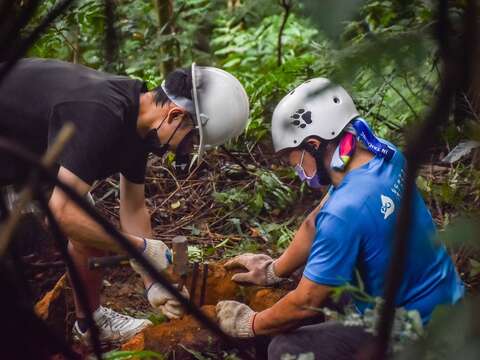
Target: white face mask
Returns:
[[312, 181]]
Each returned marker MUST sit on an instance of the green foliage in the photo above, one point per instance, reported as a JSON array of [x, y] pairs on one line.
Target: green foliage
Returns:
[[407, 326], [196, 254], [247, 245], [250, 53], [265, 196], [385, 58], [474, 267], [380, 51], [157, 318], [459, 188], [137, 27], [464, 230], [131, 355], [389, 63], [268, 194], [279, 234], [451, 334], [76, 36], [462, 235]]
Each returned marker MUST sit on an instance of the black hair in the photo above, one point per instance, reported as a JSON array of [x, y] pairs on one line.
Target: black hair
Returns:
[[178, 82]]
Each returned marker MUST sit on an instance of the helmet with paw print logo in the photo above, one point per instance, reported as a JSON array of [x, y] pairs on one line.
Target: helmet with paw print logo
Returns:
[[315, 108]]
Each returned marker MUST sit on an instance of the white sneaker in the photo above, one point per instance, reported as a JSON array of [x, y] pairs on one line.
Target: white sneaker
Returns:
[[114, 328]]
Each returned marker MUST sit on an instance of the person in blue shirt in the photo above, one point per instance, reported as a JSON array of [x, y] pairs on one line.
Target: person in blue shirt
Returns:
[[320, 130]]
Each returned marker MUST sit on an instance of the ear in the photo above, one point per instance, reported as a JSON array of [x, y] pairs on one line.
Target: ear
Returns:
[[173, 113], [314, 142]]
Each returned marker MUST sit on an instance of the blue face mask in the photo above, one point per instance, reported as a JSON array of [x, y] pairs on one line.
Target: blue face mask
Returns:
[[312, 181]]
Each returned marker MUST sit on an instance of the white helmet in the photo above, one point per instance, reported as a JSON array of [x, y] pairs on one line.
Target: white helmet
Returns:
[[221, 106], [315, 108]]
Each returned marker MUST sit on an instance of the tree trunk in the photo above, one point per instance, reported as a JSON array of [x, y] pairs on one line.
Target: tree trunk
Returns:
[[166, 27], [233, 4]]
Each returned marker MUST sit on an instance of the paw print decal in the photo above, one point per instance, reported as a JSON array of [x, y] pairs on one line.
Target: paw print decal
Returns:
[[301, 118]]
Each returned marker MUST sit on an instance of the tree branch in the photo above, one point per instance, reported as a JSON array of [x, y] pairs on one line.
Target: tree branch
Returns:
[[287, 6]]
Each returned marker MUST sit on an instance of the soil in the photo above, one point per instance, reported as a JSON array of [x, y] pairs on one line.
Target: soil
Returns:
[[176, 337], [46, 304], [122, 291], [265, 298], [179, 339], [219, 286], [172, 337], [42, 267]]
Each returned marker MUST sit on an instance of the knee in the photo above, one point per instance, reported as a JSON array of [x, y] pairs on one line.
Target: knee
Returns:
[[76, 249]]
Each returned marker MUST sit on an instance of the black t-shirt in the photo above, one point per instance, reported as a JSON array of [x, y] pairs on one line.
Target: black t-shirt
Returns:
[[39, 96]]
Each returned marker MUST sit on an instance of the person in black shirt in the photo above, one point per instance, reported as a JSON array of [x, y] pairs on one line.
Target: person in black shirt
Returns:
[[117, 124]]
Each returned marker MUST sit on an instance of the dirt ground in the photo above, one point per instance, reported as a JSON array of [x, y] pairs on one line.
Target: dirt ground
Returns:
[[42, 267], [123, 292]]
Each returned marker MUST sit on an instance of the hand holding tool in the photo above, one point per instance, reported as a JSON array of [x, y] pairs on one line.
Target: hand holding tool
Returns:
[[158, 296], [160, 299], [157, 252]]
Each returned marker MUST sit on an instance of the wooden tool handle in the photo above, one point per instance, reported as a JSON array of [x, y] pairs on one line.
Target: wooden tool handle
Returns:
[[107, 261], [180, 255]]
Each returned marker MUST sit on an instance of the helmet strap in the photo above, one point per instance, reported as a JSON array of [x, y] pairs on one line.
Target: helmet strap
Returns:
[[153, 143]]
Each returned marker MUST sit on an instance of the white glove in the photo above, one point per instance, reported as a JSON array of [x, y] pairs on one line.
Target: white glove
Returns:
[[259, 266], [157, 253], [236, 319], [164, 301]]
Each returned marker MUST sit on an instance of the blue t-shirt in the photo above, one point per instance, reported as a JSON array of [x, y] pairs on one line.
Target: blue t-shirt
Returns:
[[354, 230]]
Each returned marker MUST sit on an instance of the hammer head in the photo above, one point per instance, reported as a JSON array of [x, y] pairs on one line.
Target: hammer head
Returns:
[[180, 255]]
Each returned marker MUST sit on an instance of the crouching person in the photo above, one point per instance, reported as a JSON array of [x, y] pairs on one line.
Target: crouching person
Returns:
[[118, 123], [318, 127]]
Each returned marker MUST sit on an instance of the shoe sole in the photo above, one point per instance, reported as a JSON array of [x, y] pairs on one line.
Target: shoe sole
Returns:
[[104, 344]]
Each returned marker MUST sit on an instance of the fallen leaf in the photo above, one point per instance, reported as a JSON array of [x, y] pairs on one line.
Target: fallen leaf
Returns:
[[175, 205]]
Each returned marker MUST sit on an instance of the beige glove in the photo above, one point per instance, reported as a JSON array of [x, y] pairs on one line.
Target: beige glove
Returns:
[[259, 266], [165, 302], [157, 252], [236, 319]]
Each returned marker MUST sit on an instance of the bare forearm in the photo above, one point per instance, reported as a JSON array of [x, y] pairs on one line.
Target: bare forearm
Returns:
[[136, 222], [297, 253], [292, 309], [284, 315], [81, 228]]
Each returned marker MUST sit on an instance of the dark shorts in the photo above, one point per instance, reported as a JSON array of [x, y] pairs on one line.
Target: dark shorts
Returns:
[[329, 340]]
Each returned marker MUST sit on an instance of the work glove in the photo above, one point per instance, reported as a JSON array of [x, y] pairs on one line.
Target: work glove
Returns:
[[157, 253], [236, 319], [259, 266], [162, 300]]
